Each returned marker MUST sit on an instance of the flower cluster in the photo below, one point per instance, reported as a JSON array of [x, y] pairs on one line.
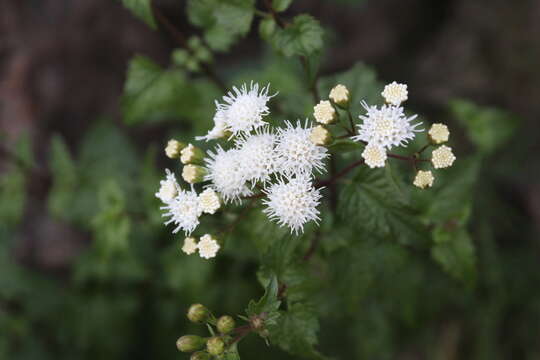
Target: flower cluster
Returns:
[[255, 159]]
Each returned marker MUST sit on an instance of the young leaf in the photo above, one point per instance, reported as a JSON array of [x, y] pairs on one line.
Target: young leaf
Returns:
[[268, 303], [454, 251], [281, 5], [302, 37], [142, 10]]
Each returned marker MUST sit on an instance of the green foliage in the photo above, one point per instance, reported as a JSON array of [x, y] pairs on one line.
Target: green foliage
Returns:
[[304, 37], [224, 22], [488, 128], [268, 303], [454, 250], [142, 9], [281, 5]]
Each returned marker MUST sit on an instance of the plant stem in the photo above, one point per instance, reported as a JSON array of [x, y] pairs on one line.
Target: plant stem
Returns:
[[340, 174], [353, 128]]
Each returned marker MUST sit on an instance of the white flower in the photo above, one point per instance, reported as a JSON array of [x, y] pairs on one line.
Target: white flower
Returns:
[[442, 157], [209, 201], [208, 246], [386, 126], [168, 188], [296, 152], [293, 203], [193, 173], [324, 112], [173, 148], [423, 179], [191, 154], [374, 155], [220, 127], [245, 108], [395, 93], [226, 174], [183, 211], [438, 133], [257, 155], [190, 245], [340, 95]]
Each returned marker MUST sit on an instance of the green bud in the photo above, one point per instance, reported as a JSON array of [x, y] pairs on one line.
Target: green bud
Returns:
[[225, 324], [200, 355], [190, 343], [192, 64], [194, 42], [180, 57], [215, 346], [203, 55], [257, 323], [191, 155], [198, 313]]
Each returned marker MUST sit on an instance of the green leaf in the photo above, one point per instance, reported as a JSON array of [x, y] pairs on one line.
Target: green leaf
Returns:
[[454, 251], [303, 37], [375, 203], [488, 128], [152, 93], [224, 21], [344, 146], [281, 5], [296, 331], [141, 9], [267, 27], [268, 303], [64, 179]]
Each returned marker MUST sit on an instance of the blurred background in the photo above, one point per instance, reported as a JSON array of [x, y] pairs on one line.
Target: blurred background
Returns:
[[88, 271]]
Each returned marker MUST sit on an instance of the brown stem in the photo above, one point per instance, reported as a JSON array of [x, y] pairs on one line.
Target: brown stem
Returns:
[[240, 216], [312, 247], [181, 39], [353, 128], [340, 174], [423, 148]]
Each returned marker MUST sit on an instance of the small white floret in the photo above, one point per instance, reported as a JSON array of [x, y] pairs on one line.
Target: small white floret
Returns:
[[442, 157], [423, 179], [209, 201], [183, 211], [439, 133], [168, 189], [340, 95], [374, 156], [208, 246], [324, 112], [395, 93], [190, 245]]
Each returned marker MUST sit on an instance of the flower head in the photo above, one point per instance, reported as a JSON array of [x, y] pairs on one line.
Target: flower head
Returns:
[[208, 246], [190, 245], [340, 95], [395, 93], [193, 173], [191, 154], [386, 126], [173, 148], [183, 211], [423, 179], [225, 171], [293, 202], [296, 152], [374, 155], [168, 188], [220, 127], [325, 113], [209, 201], [442, 157], [320, 136], [438, 133], [244, 109], [257, 155]]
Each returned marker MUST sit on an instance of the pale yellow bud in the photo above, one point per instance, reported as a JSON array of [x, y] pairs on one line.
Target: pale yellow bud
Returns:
[[340, 95], [438, 134], [325, 113], [173, 148], [193, 173], [320, 136], [423, 179], [191, 155]]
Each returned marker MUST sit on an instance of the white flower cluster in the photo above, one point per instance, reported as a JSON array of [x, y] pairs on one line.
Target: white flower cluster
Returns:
[[207, 246], [279, 161]]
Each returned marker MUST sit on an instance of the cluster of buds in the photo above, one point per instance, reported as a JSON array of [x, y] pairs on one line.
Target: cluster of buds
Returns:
[[214, 346]]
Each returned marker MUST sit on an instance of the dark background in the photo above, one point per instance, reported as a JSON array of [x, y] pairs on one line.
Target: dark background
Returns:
[[63, 65]]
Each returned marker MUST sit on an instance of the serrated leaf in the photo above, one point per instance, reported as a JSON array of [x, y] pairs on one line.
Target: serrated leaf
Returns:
[[488, 128], [454, 251], [302, 37], [376, 204], [281, 5], [152, 93], [268, 303], [142, 10]]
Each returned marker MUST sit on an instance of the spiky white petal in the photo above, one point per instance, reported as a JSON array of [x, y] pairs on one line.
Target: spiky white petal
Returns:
[[423, 179], [386, 126], [168, 189], [257, 155], [209, 201], [244, 108], [374, 155], [296, 152], [439, 133], [183, 211], [395, 93], [220, 127], [225, 171], [442, 157], [190, 245], [293, 202], [208, 246]]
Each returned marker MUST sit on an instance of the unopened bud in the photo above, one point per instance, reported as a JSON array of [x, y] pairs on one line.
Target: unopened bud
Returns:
[[423, 179], [325, 113], [340, 95], [257, 323], [191, 155], [173, 148], [225, 324], [193, 173], [215, 346], [198, 313], [438, 134], [190, 343], [200, 355], [320, 136]]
